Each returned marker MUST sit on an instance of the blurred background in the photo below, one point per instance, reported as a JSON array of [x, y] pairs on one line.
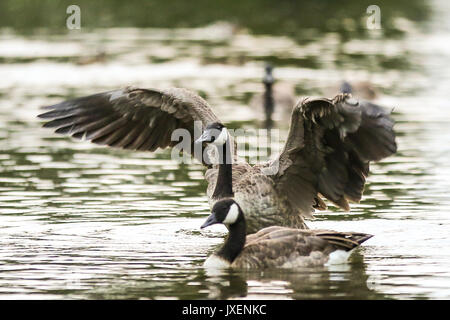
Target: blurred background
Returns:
[[81, 221]]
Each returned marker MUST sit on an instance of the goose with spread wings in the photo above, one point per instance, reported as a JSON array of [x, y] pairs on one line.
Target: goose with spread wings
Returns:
[[327, 153]]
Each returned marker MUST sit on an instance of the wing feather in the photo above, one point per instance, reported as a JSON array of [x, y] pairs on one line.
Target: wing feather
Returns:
[[328, 150], [131, 118]]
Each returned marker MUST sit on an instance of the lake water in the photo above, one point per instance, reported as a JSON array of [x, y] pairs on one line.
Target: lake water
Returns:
[[78, 221]]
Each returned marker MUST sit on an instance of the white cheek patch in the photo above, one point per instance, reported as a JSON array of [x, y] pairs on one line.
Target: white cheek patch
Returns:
[[222, 138], [232, 214]]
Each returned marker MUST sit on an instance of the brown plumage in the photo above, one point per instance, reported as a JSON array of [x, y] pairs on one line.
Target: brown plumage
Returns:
[[131, 118], [328, 150], [276, 246]]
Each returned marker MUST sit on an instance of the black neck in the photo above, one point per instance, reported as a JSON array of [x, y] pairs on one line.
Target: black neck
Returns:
[[268, 104], [235, 241], [224, 183]]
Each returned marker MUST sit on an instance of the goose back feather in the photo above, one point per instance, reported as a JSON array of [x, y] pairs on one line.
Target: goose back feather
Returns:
[[276, 246]]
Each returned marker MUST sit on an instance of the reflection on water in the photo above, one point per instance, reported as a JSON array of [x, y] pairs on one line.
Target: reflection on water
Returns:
[[81, 221]]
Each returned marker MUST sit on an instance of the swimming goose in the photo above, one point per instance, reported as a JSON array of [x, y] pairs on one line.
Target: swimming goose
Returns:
[[276, 247], [277, 98], [327, 153], [269, 102]]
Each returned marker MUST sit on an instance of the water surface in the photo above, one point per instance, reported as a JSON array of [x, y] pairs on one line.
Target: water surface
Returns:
[[78, 221]]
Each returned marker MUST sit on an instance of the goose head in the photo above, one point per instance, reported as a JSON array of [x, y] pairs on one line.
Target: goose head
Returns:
[[225, 211], [214, 133], [229, 213]]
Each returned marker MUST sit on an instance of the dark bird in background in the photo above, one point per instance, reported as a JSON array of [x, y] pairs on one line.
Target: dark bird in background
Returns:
[[269, 103], [277, 100]]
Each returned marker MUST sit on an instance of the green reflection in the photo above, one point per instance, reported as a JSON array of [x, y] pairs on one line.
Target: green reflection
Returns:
[[301, 20]]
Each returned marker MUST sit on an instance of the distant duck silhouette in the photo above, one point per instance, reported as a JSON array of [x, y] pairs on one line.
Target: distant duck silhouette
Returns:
[[269, 102], [278, 98]]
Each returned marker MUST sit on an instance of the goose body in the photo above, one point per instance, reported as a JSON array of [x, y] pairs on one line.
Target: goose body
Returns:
[[327, 151], [276, 246]]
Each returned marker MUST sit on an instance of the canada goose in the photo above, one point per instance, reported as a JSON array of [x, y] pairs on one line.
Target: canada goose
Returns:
[[268, 81], [327, 153], [279, 98], [276, 247]]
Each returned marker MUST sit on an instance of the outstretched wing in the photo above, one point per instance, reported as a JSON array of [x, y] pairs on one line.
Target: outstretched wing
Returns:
[[132, 118], [328, 150]]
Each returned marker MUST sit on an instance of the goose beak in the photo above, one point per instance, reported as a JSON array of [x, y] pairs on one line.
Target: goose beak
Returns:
[[210, 221], [207, 136]]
